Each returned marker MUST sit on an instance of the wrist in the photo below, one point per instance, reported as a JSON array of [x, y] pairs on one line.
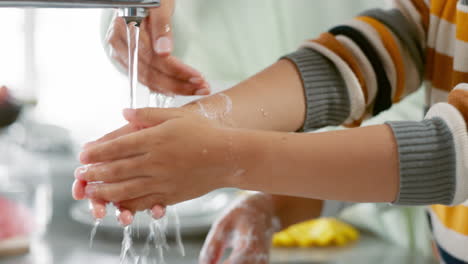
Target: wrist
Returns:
[[253, 150]]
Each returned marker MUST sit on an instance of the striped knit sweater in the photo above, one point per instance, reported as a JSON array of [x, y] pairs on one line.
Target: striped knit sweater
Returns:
[[360, 68]]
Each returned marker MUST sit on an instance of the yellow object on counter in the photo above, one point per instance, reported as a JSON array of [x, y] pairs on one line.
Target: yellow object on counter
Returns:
[[320, 232]]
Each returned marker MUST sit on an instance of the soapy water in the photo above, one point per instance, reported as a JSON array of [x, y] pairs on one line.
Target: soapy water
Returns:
[[220, 108]]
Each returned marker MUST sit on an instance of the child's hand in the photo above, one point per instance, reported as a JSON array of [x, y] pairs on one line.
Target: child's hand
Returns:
[[181, 157], [158, 69], [247, 228]]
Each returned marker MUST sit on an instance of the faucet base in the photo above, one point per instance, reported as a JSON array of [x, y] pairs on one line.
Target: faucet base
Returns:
[[80, 3], [133, 14]]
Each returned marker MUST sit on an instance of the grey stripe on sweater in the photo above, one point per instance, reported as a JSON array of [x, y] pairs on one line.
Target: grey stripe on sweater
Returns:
[[427, 162], [327, 98], [404, 29]]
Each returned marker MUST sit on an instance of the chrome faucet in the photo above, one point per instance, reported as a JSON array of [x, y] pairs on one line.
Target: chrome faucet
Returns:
[[130, 10]]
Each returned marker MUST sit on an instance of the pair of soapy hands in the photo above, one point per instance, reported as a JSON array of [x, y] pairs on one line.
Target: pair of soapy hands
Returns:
[[165, 156]]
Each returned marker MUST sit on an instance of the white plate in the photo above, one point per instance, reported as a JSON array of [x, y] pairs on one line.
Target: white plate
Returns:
[[196, 216]]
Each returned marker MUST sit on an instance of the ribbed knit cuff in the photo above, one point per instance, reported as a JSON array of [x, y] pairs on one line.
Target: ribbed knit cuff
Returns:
[[427, 162], [327, 98]]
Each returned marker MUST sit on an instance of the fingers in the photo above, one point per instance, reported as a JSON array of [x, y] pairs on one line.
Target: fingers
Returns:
[[155, 35], [125, 130], [125, 218], [120, 148], [159, 22], [98, 209], [144, 203], [112, 172], [215, 245], [158, 81], [121, 191], [169, 65], [158, 211], [78, 190]]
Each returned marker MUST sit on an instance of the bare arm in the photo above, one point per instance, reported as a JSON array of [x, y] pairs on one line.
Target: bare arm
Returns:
[[359, 165], [272, 99]]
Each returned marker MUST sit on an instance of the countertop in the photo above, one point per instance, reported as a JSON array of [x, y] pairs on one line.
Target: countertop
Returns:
[[67, 242]]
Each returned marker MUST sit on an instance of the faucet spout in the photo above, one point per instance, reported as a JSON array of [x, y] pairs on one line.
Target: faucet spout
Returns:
[[130, 10], [133, 14], [80, 3]]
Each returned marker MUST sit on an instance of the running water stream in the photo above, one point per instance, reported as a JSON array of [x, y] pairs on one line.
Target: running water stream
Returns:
[[157, 228], [133, 37]]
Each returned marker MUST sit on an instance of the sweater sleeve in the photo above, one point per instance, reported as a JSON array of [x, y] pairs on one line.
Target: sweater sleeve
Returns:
[[433, 154], [360, 68]]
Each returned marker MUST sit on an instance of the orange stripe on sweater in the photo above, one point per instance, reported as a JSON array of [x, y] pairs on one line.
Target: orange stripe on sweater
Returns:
[[423, 11], [462, 26], [430, 54], [459, 77], [441, 73], [394, 51], [453, 218], [445, 9], [329, 41], [442, 70]]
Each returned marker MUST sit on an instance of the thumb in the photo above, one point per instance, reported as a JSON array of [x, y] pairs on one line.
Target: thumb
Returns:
[[149, 117], [159, 25]]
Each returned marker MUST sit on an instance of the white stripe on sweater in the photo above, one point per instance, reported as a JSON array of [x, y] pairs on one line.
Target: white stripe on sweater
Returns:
[[352, 83], [434, 22], [442, 36], [460, 62], [413, 16], [451, 241], [374, 38], [456, 123], [446, 36], [364, 64]]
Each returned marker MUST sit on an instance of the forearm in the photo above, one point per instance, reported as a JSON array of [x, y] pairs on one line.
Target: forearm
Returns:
[[292, 210], [358, 165], [272, 100]]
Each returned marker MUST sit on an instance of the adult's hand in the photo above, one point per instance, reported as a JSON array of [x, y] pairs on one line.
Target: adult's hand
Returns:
[[158, 68]]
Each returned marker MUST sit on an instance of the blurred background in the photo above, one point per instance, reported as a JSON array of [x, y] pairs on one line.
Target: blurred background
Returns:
[[55, 62]]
